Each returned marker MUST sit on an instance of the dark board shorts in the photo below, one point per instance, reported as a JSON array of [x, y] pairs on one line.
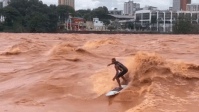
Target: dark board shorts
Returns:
[[122, 73]]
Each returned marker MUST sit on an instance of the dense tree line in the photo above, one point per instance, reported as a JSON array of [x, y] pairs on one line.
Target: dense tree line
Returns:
[[89, 14], [33, 16], [183, 25]]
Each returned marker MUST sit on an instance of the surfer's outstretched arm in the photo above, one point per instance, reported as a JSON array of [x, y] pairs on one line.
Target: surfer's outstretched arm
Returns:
[[110, 64]]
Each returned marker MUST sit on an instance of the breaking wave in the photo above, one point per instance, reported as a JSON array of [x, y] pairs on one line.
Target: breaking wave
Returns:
[[25, 46], [67, 49], [152, 81], [98, 43]]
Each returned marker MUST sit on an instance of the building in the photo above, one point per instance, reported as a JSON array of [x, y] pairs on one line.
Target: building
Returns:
[[79, 24], [192, 7], [89, 26], [170, 8], [176, 5], [98, 25], [130, 8], [180, 5], [121, 17], [184, 4], [163, 20], [3, 4], [67, 2], [116, 12], [75, 24], [149, 8], [6, 2]]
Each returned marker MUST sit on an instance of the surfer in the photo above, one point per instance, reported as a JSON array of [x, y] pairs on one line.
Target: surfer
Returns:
[[121, 70]]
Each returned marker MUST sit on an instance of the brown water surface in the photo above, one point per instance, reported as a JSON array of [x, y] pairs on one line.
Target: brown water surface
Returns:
[[69, 73]]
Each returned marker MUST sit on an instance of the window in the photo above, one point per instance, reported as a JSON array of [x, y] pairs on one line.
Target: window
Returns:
[[168, 15], [138, 17], [188, 15], [146, 15], [194, 16]]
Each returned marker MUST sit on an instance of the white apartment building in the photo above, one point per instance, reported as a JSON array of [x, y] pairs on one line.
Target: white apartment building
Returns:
[[98, 25], [165, 18], [192, 7], [130, 8]]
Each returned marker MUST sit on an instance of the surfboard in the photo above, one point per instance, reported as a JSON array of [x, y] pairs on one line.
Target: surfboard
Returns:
[[115, 91]]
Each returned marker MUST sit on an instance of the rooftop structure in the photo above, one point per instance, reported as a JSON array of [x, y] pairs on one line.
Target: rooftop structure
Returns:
[[192, 7], [116, 12], [67, 2]]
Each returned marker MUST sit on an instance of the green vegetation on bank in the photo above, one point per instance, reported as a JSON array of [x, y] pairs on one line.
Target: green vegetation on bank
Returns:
[[99, 12], [184, 26], [33, 16], [88, 14]]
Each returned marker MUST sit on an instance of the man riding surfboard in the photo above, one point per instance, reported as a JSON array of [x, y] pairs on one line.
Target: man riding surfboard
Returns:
[[121, 70]]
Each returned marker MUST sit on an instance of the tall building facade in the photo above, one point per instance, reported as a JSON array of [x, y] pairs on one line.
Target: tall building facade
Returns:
[[179, 5], [130, 7], [184, 4], [67, 2]]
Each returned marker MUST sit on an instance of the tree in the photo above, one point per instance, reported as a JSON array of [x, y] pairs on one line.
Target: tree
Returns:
[[64, 11], [87, 17], [129, 25], [100, 11], [11, 15], [30, 16], [116, 24], [90, 14], [106, 22], [38, 22], [182, 26], [82, 12], [111, 27]]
